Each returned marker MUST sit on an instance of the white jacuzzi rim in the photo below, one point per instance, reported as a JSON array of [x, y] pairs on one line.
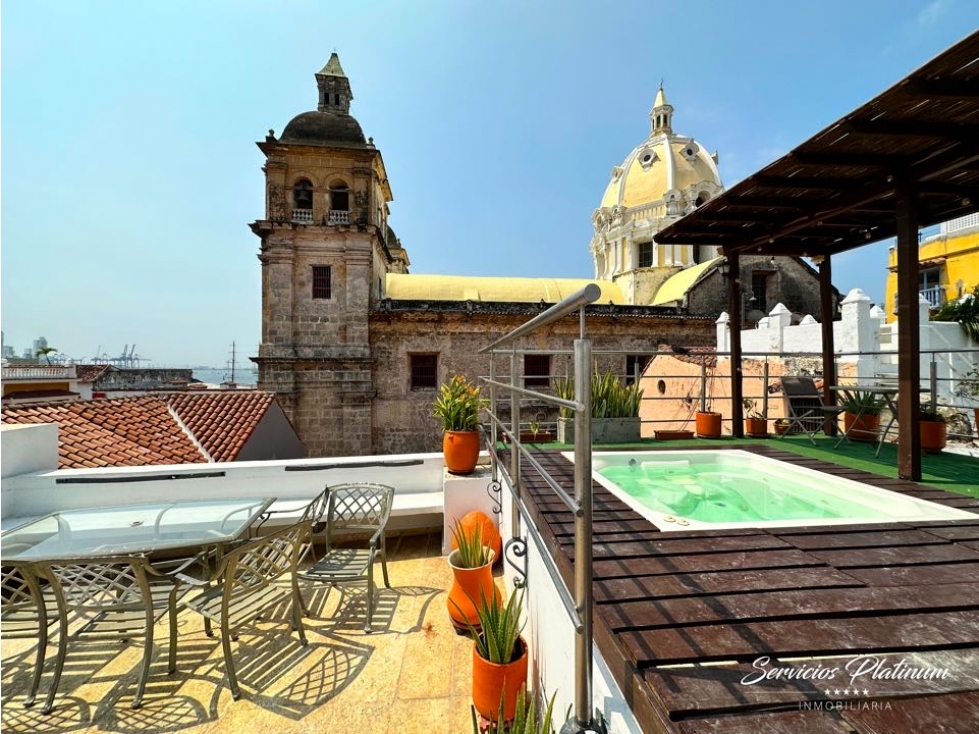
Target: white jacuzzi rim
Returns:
[[929, 511]]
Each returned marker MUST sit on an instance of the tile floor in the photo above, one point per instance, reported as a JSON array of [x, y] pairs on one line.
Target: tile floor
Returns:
[[412, 674]]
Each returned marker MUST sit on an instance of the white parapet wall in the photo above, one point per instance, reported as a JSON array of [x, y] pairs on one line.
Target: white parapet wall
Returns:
[[28, 448], [31, 491]]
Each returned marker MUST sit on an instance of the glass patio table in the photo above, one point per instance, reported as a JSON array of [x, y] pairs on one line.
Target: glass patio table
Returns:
[[130, 529]]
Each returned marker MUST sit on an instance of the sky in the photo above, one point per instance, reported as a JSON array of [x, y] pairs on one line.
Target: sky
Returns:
[[129, 171]]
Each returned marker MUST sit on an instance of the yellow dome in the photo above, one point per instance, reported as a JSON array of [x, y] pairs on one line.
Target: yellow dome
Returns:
[[657, 167]]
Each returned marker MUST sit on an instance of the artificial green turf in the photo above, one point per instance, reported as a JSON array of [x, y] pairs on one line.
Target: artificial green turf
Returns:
[[952, 472]]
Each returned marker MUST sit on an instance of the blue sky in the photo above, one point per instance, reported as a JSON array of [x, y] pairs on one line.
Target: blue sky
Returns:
[[129, 169]]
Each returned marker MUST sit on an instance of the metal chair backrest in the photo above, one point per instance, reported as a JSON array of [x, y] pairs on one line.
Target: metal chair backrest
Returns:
[[110, 583], [358, 506], [22, 602], [315, 511], [799, 387], [261, 562]]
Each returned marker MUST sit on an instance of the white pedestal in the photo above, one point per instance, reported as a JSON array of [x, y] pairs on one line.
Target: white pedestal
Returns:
[[465, 494]]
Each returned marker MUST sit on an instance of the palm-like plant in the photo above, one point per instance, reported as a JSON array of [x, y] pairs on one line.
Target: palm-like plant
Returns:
[[45, 352], [965, 311]]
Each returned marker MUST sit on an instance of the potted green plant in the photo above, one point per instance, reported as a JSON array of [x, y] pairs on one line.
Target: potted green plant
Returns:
[[457, 407], [614, 409], [861, 416], [499, 657], [472, 575], [932, 429], [524, 718], [755, 423], [968, 388]]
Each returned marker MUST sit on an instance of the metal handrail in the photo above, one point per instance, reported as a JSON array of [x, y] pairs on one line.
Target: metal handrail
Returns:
[[581, 504]]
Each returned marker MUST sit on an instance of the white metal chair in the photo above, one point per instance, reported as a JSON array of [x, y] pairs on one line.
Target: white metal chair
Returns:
[[354, 508]]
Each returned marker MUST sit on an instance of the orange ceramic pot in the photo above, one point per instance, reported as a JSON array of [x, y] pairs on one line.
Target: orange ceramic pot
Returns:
[[933, 435], [496, 682], [708, 425], [863, 429], [756, 427], [461, 451], [469, 587], [488, 532]]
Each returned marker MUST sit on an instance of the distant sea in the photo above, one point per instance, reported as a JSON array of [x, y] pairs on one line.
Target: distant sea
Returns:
[[217, 376]]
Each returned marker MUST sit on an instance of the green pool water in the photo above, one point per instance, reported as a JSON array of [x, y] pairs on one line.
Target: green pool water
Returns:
[[711, 493]]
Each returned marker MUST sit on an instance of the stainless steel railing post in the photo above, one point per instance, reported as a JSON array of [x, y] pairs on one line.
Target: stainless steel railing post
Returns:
[[583, 531]]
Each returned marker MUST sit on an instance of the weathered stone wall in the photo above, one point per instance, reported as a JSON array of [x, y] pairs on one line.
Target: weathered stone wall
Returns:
[[402, 417]]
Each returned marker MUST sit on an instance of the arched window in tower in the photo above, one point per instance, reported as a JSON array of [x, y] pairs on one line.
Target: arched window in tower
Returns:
[[339, 203], [701, 199], [302, 201]]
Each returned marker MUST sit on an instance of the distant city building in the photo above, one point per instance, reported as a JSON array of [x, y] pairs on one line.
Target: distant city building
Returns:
[[948, 265], [354, 346]]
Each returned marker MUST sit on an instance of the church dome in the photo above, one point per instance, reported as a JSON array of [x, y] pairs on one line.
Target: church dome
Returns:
[[664, 163], [322, 128]]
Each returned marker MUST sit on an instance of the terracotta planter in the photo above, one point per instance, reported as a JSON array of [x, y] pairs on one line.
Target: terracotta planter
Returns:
[[469, 586], [756, 427], [781, 428], [933, 435], [461, 451], [708, 425], [666, 435], [495, 682], [863, 429]]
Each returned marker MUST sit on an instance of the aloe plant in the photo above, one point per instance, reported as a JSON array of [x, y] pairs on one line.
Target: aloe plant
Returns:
[[499, 628], [524, 721], [472, 552], [610, 397]]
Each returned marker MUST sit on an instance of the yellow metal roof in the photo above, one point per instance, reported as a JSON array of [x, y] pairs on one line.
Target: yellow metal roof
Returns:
[[676, 286], [412, 287]]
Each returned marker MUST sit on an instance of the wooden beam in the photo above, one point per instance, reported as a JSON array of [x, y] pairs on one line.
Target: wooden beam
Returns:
[[908, 343], [737, 377], [942, 88], [826, 315]]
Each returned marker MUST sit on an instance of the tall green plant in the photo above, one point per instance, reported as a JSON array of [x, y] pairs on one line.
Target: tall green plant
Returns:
[[499, 628], [458, 405], [965, 311], [524, 720], [472, 552], [610, 397]]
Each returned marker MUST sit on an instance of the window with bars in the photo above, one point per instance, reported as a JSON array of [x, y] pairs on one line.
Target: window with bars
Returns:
[[424, 371], [634, 362], [645, 254], [537, 370], [321, 281]]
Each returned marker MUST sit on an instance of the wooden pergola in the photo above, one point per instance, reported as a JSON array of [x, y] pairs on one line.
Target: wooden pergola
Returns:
[[907, 159]]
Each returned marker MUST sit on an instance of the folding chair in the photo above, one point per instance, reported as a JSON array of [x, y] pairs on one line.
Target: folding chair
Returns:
[[357, 507], [807, 413]]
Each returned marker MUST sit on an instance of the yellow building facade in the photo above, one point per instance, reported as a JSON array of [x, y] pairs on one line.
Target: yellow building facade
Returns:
[[948, 264]]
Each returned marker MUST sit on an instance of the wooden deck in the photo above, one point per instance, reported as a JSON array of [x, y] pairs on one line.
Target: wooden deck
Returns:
[[714, 602]]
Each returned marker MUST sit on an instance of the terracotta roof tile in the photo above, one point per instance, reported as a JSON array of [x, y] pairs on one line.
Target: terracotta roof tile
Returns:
[[221, 421], [123, 432], [90, 372]]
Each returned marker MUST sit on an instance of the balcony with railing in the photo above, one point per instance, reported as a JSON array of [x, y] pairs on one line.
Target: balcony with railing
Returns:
[[302, 216], [338, 216]]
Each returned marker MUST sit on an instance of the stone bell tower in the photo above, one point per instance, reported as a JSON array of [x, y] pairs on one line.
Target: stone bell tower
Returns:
[[325, 249]]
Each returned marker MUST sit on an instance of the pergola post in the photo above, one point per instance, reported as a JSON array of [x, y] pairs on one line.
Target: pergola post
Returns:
[[827, 314], [734, 310], [908, 362]]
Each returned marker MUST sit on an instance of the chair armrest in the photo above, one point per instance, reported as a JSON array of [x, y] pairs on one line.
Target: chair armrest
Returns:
[[376, 537], [182, 564]]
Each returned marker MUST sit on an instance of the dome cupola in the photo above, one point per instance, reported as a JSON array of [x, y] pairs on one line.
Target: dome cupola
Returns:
[[331, 122], [663, 178]]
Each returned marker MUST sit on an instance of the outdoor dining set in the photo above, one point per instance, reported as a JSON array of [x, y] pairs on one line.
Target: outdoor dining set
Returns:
[[115, 571]]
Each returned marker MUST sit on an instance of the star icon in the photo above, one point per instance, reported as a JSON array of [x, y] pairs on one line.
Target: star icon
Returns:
[[866, 692], [846, 691]]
